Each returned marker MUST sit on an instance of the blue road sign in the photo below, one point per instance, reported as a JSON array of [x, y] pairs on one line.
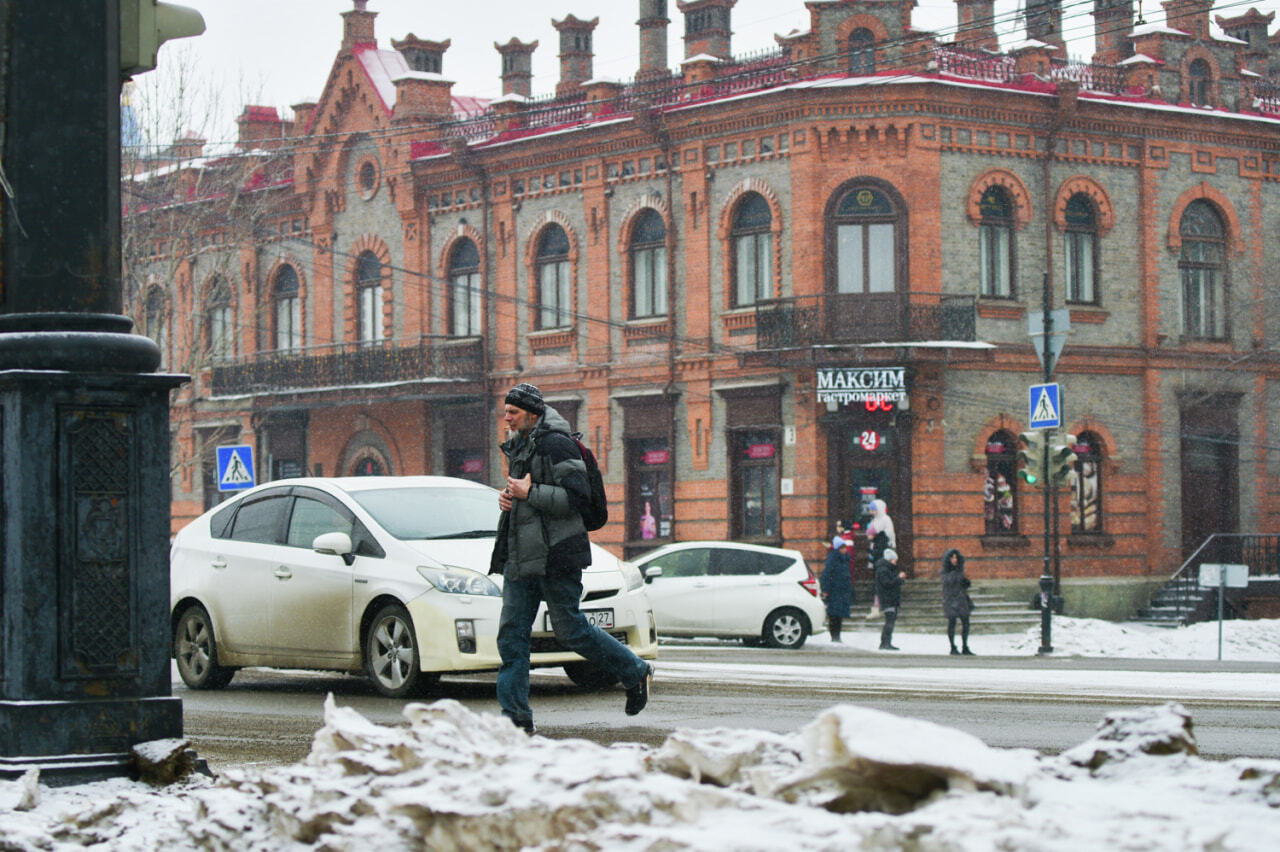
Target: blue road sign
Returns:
[[235, 467], [1045, 405]]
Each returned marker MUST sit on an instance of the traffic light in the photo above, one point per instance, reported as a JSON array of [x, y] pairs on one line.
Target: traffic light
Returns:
[[1032, 457], [147, 24], [1062, 460]]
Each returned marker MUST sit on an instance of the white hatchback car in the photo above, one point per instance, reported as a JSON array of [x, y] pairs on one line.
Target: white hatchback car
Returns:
[[385, 575], [730, 590]]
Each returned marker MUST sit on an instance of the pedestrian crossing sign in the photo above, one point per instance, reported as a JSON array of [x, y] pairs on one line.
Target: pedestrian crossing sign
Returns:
[[1046, 406], [235, 467]]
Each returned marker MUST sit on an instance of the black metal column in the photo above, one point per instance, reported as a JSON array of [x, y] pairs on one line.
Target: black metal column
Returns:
[[84, 486]]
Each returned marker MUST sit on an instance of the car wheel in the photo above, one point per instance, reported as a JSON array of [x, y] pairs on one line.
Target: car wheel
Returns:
[[589, 676], [391, 654], [196, 651], [785, 628]]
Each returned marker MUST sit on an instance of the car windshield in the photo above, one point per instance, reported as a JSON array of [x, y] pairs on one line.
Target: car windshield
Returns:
[[424, 513]]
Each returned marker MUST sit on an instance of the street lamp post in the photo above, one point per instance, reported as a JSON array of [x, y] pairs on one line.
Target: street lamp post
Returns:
[[84, 490]]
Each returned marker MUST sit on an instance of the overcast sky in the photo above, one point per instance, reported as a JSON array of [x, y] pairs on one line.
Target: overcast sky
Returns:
[[279, 52]]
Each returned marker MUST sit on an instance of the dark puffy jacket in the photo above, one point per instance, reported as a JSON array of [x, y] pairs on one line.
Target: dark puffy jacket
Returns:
[[888, 584], [955, 585], [544, 532], [837, 584]]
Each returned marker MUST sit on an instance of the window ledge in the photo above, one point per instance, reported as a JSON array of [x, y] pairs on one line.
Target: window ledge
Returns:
[[992, 309], [1089, 315], [1015, 541], [1099, 540], [558, 339], [646, 330], [741, 321]]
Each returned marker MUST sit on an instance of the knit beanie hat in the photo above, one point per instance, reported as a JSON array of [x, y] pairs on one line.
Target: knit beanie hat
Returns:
[[528, 397]]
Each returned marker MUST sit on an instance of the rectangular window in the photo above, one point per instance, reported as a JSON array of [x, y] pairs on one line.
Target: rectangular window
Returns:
[[1203, 314], [651, 282], [553, 297], [754, 268], [1079, 256], [993, 261], [849, 259], [466, 304], [371, 314], [756, 460], [289, 324], [220, 333], [880, 258]]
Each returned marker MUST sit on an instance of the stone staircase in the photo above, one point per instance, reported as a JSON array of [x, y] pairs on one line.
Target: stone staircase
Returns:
[[921, 611]]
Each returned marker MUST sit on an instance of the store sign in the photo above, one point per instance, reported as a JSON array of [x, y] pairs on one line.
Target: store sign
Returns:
[[761, 451], [882, 386], [474, 464], [869, 440], [657, 457]]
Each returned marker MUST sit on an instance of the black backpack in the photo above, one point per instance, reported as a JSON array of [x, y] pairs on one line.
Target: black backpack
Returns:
[[595, 513]]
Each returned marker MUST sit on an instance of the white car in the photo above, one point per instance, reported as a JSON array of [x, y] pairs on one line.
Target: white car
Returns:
[[730, 590], [385, 575]]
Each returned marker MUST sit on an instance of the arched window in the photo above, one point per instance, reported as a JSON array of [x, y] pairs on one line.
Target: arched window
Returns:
[[648, 266], [369, 298], [465, 317], [1080, 251], [752, 251], [999, 508], [995, 244], [217, 327], [1204, 272], [554, 286], [1086, 501], [866, 235], [288, 310], [862, 52], [1198, 84]]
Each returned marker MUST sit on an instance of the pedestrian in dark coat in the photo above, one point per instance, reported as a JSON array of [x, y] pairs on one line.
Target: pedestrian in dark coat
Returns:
[[955, 599], [837, 586], [889, 591]]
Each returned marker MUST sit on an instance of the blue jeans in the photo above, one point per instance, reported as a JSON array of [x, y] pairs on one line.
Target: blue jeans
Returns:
[[561, 590]]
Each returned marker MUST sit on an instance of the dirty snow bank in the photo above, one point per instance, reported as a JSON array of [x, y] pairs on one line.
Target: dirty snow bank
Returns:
[[852, 778]]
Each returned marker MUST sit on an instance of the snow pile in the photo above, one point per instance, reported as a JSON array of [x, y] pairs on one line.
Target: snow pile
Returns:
[[853, 778]]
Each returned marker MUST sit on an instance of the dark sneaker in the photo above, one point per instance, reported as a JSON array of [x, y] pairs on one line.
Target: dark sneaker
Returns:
[[887, 647], [968, 653], [638, 695], [525, 725]]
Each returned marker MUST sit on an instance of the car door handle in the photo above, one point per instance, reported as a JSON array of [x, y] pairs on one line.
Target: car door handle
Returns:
[[218, 564], [283, 573]]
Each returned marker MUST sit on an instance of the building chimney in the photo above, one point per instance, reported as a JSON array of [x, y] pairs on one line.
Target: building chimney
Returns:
[[422, 55], [576, 53], [1112, 23], [1190, 16], [1044, 22], [260, 127], [517, 66], [653, 38], [1251, 28], [976, 24], [707, 30], [357, 25]]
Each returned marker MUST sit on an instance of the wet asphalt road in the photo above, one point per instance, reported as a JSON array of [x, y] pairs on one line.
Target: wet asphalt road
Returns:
[[269, 717]]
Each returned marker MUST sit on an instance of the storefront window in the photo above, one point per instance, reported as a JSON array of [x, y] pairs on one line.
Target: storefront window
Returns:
[[649, 510], [999, 507], [756, 458]]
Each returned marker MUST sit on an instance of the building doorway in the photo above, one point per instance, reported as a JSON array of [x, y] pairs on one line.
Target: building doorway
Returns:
[[1210, 469], [869, 455]]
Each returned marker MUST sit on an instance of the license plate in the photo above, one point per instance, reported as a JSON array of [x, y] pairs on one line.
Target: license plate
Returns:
[[602, 618]]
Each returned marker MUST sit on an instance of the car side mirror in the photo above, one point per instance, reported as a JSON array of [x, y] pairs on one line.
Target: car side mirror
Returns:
[[335, 544], [652, 571]]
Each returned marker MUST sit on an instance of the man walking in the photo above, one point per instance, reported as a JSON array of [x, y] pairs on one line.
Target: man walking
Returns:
[[541, 549]]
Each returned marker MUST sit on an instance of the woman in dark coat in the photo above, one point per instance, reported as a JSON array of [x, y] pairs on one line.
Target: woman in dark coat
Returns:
[[837, 586], [889, 590], [955, 599]]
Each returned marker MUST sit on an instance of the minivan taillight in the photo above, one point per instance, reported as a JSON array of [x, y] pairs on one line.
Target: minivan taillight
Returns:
[[810, 585]]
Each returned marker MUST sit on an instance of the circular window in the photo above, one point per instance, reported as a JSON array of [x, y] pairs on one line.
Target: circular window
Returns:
[[367, 178]]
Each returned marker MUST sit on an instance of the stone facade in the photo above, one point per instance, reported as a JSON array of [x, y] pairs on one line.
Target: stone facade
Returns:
[[865, 215]]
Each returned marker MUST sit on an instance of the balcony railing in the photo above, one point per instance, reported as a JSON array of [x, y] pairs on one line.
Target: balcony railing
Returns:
[[864, 318], [344, 365]]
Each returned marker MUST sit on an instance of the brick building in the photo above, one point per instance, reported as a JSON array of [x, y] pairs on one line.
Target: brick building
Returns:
[[766, 289]]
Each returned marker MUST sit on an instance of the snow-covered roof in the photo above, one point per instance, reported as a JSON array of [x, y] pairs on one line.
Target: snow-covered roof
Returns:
[[1140, 59], [702, 57], [384, 67]]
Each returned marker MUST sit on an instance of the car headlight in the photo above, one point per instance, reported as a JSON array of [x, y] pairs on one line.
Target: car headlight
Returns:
[[459, 581], [631, 574]]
